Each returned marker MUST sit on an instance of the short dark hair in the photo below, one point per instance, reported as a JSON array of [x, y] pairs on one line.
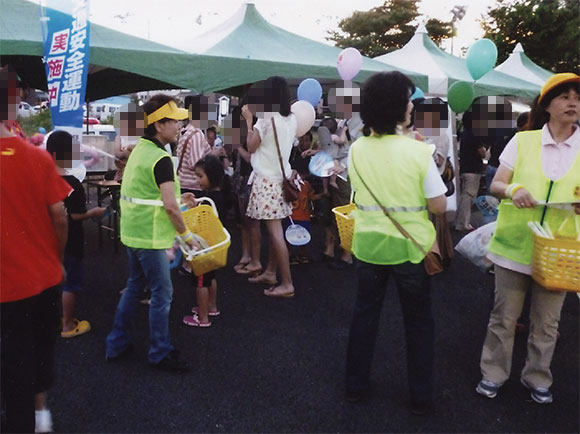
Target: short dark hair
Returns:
[[155, 102], [213, 168], [9, 90], [384, 100], [522, 120], [329, 123], [433, 105], [212, 130], [197, 104], [60, 145]]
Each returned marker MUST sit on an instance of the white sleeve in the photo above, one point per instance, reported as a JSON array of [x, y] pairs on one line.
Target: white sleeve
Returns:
[[262, 126], [433, 186], [509, 155]]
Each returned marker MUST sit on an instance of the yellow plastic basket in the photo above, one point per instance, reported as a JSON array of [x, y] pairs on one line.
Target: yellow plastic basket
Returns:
[[345, 225], [203, 220], [556, 263]]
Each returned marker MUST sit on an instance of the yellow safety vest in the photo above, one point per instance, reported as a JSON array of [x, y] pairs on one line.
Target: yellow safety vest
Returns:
[[512, 238], [144, 221], [394, 168]]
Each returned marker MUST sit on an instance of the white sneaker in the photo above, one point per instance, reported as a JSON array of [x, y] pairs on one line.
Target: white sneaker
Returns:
[[43, 421]]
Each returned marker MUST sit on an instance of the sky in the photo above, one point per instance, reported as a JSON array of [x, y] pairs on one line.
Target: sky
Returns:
[[165, 21]]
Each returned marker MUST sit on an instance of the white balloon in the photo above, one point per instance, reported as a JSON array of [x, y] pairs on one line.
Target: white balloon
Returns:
[[305, 116]]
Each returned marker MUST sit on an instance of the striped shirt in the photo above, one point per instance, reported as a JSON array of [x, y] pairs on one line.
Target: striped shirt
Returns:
[[195, 145]]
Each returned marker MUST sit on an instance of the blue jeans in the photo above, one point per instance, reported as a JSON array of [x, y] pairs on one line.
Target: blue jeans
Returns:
[[414, 287], [146, 267], [489, 174]]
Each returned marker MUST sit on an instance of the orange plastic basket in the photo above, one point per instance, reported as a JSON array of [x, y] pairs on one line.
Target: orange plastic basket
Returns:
[[345, 225], [556, 263], [203, 220]]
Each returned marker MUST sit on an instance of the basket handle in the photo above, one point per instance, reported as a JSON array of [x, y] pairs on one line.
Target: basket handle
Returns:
[[575, 218], [211, 202]]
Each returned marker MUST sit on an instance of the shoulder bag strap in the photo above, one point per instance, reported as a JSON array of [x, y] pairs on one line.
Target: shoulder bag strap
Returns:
[[278, 147], [387, 213]]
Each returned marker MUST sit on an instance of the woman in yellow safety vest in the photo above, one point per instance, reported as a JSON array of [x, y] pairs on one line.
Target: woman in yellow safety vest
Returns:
[[401, 174], [536, 166]]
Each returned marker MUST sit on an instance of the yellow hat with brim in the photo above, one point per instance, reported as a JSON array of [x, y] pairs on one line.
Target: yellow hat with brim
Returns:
[[169, 111], [556, 80]]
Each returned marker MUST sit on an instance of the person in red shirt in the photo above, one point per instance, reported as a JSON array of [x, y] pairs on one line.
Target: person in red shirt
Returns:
[[33, 236]]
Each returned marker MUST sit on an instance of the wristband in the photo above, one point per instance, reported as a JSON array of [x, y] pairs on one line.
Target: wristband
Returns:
[[186, 236], [512, 188]]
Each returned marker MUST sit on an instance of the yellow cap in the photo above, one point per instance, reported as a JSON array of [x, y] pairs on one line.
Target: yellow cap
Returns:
[[170, 111], [556, 80]]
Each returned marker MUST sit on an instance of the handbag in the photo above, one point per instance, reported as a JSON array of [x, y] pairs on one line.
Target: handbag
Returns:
[[447, 177], [433, 263], [289, 187]]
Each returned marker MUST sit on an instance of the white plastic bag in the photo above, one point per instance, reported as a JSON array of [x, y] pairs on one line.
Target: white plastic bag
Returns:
[[474, 246]]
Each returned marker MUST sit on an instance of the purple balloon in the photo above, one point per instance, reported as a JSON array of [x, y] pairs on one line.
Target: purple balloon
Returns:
[[349, 63]]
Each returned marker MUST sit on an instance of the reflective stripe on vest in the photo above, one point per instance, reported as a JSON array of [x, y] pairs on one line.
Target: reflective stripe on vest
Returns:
[[392, 209], [150, 202]]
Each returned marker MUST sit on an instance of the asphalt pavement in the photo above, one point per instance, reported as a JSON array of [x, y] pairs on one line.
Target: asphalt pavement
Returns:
[[277, 365]]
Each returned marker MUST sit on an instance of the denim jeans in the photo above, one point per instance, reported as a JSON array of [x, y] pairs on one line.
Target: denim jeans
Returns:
[[414, 289], [489, 174], [146, 267]]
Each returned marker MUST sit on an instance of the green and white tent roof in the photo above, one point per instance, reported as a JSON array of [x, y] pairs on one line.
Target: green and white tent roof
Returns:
[[421, 54], [248, 36], [521, 66]]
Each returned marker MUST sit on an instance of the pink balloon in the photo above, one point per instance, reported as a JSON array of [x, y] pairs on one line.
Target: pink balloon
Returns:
[[349, 63], [305, 116]]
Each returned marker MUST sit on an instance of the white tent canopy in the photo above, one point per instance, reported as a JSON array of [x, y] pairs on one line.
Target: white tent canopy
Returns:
[[421, 54], [521, 66]]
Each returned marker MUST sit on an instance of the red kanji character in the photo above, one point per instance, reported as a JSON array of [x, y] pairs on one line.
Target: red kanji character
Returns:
[[55, 65], [59, 42]]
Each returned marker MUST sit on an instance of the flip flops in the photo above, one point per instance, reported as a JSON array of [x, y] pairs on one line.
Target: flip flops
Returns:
[[240, 265], [264, 280], [195, 310], [271, 293], [81, 328], [244, 270]]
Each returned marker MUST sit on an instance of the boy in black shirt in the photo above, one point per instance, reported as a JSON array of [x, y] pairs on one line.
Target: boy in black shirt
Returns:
[[60, 146]]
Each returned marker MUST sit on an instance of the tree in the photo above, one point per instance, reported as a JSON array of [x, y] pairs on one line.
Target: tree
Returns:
[[549, 30], [385, 28]]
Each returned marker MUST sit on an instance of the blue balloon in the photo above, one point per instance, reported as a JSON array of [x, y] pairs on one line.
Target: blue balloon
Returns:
[[310, 90], [41, 130], [417, 94]]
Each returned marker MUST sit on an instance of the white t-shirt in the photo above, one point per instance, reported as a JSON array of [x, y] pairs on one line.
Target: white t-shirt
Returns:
[[265, 160]]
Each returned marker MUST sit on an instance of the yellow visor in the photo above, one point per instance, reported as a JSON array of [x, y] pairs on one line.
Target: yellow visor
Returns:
[[170, 111]]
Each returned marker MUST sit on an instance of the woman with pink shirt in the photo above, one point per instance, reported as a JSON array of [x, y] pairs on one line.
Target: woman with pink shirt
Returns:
[[541, 165]]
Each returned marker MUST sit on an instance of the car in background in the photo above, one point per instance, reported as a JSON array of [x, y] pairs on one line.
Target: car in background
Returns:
[[25, 110], [101, 130]]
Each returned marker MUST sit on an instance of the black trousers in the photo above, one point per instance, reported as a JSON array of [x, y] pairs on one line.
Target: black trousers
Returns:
[[28, 335], [413, 285]]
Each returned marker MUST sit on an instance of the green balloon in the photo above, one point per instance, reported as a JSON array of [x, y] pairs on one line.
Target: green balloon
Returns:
[[460, 96], [481, 58]]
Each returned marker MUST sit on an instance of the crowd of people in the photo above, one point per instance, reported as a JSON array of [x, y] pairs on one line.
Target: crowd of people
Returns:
[[389, 157]]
